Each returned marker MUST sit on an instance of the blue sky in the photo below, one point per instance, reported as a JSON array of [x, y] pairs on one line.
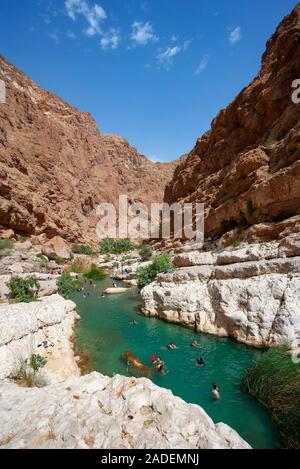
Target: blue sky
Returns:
[[153, 71]]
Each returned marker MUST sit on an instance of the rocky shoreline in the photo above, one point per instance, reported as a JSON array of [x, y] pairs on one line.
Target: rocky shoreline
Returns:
[[250, 294], [92, 411]]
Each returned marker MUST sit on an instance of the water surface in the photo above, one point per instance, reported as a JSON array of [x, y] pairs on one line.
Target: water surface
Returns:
[[105, 331]]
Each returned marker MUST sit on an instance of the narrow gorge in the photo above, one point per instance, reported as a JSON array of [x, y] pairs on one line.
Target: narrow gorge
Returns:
[[73, 308]]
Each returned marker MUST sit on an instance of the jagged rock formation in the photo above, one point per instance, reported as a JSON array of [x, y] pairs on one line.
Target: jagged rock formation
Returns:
[[55, 167], [249, 294], [98, 412], [246, 169]]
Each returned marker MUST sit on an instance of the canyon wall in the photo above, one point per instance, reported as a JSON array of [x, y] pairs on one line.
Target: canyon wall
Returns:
[[55, 166], [246, 169]]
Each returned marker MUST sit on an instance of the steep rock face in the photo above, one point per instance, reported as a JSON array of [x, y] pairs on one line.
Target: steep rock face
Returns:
[[98, 412], [55, 167], [24, 326], [250, 294], [246, 169]]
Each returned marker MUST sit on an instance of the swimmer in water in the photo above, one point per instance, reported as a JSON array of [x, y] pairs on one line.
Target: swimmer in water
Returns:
[[215, 392], [196, 344], [160, 366], [200, 362], [153, 359], [134, 323], [172, 346]]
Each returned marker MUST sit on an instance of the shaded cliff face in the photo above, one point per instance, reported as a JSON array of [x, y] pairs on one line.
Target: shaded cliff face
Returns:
[[55, 167], [246, 169]]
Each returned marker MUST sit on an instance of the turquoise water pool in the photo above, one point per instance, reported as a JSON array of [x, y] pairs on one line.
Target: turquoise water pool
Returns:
[[105, 331]]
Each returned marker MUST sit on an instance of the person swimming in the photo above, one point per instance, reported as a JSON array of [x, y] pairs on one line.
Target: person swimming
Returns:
[[160, 366], [134, 323], [196, 344], [215, 392], [200, 362], [172, 346], [153, 359]]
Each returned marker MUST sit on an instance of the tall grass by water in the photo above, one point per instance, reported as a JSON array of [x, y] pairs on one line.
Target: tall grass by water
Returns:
[[274, 381]]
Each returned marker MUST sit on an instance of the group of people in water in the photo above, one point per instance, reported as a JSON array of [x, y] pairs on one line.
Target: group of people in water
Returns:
[[160, 365]]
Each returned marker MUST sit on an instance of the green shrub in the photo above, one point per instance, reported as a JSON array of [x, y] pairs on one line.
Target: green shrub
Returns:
[[66, 285], [236, 244], [95, 273], [106, 246], [274, 381], [42, 257], [83, 249], [6, 244], [26, 373], [37, 362], [24, 290], [119, 246], [59, 260], [250, 208], [76, 267], [145, 252], [147, 275]]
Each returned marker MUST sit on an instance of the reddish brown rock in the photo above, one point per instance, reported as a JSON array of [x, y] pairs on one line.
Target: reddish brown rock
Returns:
[[246, 169], [55, 167], [56, 247]]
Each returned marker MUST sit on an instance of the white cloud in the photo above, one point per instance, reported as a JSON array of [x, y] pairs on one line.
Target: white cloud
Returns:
[[111, 39], [202, 66], [165, 57], [55, 36], [71, 35], [94, 15], [143, 33], [235, 35]]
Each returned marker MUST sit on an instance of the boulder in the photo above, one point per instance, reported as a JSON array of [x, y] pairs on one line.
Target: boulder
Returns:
[[7, 234], [116, 291], [56, 247], [194, 258]]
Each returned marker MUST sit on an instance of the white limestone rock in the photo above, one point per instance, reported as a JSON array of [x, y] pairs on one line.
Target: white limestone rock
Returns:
[[98, 412], [24, 326], [252, 252], [194, 258], [254, 302]]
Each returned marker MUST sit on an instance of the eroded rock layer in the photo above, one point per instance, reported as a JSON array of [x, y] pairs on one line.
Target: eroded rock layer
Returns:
[[246, 169], [250, 294], [55, 167]]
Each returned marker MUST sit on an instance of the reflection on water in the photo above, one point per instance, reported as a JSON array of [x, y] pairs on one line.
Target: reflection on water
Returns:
[[106, 331]]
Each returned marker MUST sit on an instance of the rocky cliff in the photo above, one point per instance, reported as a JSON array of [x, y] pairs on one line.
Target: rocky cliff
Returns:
[[250, 294], [55, 167], [246, 169]]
